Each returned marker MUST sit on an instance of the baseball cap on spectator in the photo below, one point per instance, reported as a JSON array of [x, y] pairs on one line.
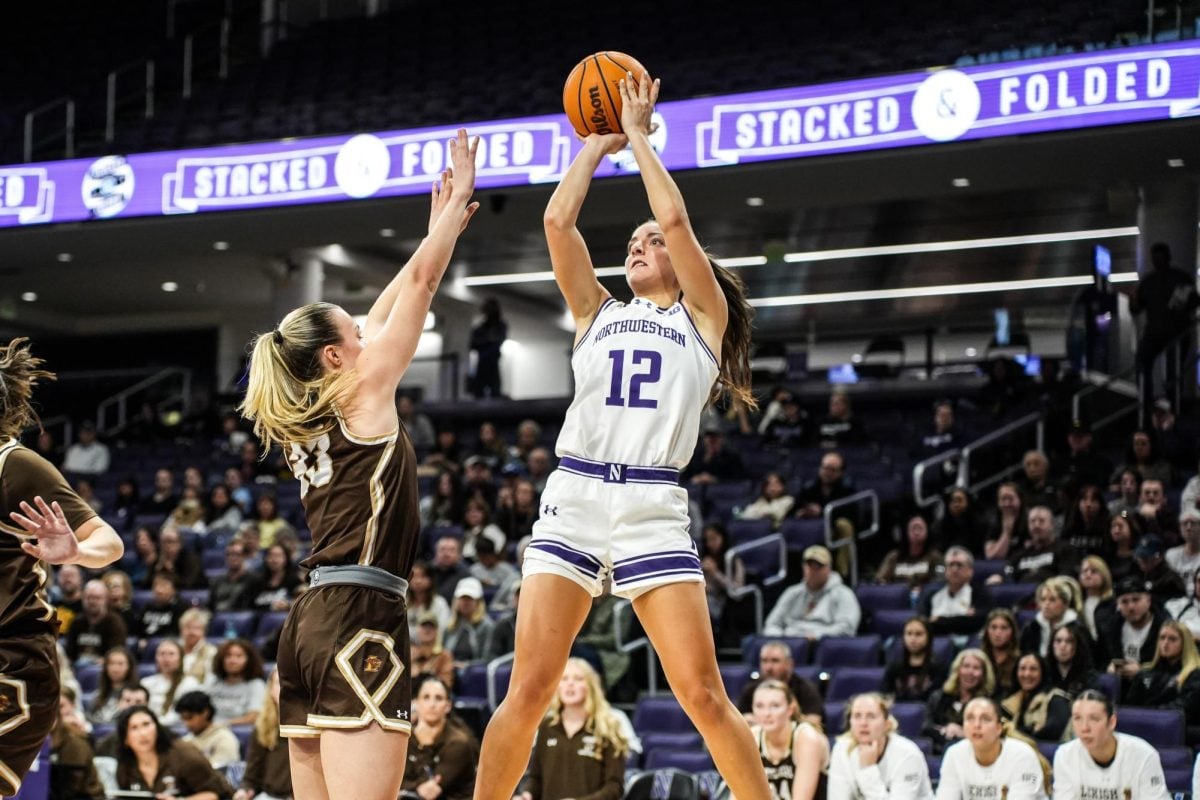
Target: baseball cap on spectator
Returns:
[[1162, 404], [474, 461], [1150, 546], [1131, 585], [489, 542], [1080, 426], [428, 617], [469, 587], [819, 554], [512, 468]]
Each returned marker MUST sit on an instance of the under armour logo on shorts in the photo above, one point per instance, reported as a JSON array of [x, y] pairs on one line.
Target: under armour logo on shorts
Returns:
[[549, 511]]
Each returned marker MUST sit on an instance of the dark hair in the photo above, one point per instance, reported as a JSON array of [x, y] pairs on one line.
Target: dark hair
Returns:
[[719, 555], [1075, 525], [734, 377], [428, 677], [1154, 453], [162, 742], [135, 687], [254, 662], [1045, 670], [762, 487], [1081, 662], [19, 373], [196, 703], [928, 651], [105, 687], [1097, 696]]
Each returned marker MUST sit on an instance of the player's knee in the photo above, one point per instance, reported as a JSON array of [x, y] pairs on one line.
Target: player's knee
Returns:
[[704, 703], [532, 693]]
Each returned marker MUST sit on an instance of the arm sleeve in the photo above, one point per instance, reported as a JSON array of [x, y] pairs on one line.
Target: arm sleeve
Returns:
[[1027, 780], [1151, 782], [839, 786], [904, 780], [227, 750], [949, 785], [256, 762], [1064, 779], [197, 775], [614, 779], [456, 766], [33, 476]]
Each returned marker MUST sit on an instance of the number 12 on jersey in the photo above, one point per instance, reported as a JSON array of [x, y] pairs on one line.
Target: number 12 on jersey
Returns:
[[637, 381]]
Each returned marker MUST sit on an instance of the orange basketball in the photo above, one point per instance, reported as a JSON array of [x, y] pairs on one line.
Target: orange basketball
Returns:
[[591, 98]]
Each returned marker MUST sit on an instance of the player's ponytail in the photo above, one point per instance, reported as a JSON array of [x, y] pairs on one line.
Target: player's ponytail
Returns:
[[19, 373], [290, 396], [734, 377]]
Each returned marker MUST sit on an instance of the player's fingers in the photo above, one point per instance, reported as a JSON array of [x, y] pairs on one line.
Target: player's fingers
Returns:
[[44, 507], [31, 550], [30, 511], [58, 512], [24, 521]]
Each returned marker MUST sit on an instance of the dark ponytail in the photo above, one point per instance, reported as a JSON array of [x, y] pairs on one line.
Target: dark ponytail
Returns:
[[734, 377], [19, 373]]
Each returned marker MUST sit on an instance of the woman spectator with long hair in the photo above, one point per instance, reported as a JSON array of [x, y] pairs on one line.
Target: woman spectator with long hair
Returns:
[[1187, 609], [516, 518], [971, 677], [1128, 490], [1037, 709], [1172, 678], [120, 596], [916, 561], [1124, 531], [145, 545], [959, 524], [1056, 606], [266, 515], [169, 682], [222, 512], [152, 761], [1096, 581], [1006, 529], [198, 652], [238, 687], [423, 598], [444, 505], [872, 760], [991, 761], [470, 628], [441, 753], [915, 675], [477, 522], [773, 501], [118, 671], [794, 751], [268, 774], [125, 506], [278, 581], [1143, 456], [1070, 664], [714, 545], [428, 655], [1002, 647], [1086, 527]]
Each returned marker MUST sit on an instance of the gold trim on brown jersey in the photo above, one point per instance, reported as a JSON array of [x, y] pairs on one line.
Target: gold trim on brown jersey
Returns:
[[356, 439], [377, 501], [22, 699], [5, 527], [370, 701], [38, 569]]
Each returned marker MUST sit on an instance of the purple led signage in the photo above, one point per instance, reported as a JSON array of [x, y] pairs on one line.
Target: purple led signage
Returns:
[[1084, 90]]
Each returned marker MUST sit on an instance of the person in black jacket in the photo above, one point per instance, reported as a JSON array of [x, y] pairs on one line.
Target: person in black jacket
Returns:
[[1037, 709], [1070, 665], [1172, 679], [957, 605], [915, 675], [1131, 639]]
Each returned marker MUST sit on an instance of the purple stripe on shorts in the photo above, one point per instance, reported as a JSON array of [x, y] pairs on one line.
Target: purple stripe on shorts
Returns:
[[659, 564], [582, 561]]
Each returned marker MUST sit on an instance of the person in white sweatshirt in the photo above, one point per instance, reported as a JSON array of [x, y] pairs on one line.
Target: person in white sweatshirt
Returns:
[[989, 762], [819, 606], [1100, 762], [871, 761]]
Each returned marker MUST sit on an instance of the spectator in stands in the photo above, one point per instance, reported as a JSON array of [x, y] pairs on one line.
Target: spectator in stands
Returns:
[[72, 769], [959, 524], [504, 632], [1043, 556], [238, 689], [477, 480], [164, 498], [490, 446], [713, 461], [443, 506], [222, 513], [1168, 297], [198, 652], [821, 605], [1172, 678], [149, 749], [428, 657], [539, 465], [489, 568], [1056, 601], [239, 491], [1162, 583], [1187, 609], [47, 448], [830, 484], [120, 596], [916, 561], [1128, 490], [914, 676], [131, 695], [1143, 456], [470, 627], [119, 670], [1124, 533], [67, 595], [1070, 665], [944, 434], [160, 617], [487, 336], [214, 740], [1178, 446], [575, 770], [1096, 581], [714, 545], [193, 478], [529, 436], [1006, 529], [516, 519], [423, 597], [446, 453], [190, 513], [1037, 709], [271, 526], [773, 501], [795, 753], [1034, 481], [87, 456], [1002, 647], [127, 501], [503, 600], [872, 760], [251, 541], [268, 772], [957, 605], [1082, 465], [441, 752], [278, 583], [775, 663], [229, 443], [87, 493], [1155, 513], [233, 590], [597, 639], [174, 560], [168, 681], [840, 427], [970, 677], [1184, 559], [790, 427], [1130, 640], [448, 567], [993, 761], [97, 630], [1086, 527], [253, 466], [420, 429]]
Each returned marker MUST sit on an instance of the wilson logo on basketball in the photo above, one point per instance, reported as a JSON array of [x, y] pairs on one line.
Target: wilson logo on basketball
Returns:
[[373, 664], [599, 119]]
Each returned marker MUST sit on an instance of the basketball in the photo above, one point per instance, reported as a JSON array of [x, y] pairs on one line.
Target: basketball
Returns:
[[590, 96]]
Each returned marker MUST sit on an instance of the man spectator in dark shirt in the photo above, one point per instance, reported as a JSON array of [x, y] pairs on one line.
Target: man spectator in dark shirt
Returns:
[[830, 484], [477, 480], [131, 695], [714, 462], [790, 428], [1034, 481], [1129, 638], [160, 617], [234, 590], [1082, 465], [1177, 446], [840, 427], [420, 429], [956, 605], [96, 630], [1043, 556], [944, 435], [164, 498], [448, 567], [1153, 570], [1168, 297], [67, 595], [775, 662], [1155, 513]]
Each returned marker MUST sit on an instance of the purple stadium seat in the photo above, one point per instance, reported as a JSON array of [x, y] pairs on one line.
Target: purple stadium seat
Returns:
[[213, 559], [1008, 595], [924, 743], [141, 598], [752, 644], [661, 714], [471, 683], [747, 530], [734, 676], [810, 673], [1025, 616], [845, 682], [910, 717], [737, 492], [800, 533], [195, 597], [1110, 684], [1161, 727], [984, 569], [239, 622], [861, 651], [888, 622], [1179, 781], [146, 670], [943, 649], [688, 760], [874, 597], [1047, 749], [935, 767], [269, 622], [243, 734], [835, 717], [653, 740], [88, 676], [1176, 757]]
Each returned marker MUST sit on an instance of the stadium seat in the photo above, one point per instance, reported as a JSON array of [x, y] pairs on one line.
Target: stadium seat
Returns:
[[197, 598], [663, 784], [910, 717], [735, 676], [1008, 595], [88, 676], [243, 734], [661, 715], [689, 760], [834, 651], [1176, 757], [802, 533], [1179, 781], [874, 597], [269, 622], [1110, 684], [747, 530], [943, 649], [652, 740], [887, 622], [845, 682], [240, 623], [984, 569], [1161, 727]]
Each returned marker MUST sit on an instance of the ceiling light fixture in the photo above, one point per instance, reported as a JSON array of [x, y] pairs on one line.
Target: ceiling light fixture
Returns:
[[220, 245], [29, 297], [387, 233], [755, 202], [65, 258], [1175, 162], [961, 183], [170, 286]]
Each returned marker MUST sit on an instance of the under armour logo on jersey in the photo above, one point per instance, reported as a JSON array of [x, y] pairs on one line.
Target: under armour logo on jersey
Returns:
[[549, 511], [615, 474]]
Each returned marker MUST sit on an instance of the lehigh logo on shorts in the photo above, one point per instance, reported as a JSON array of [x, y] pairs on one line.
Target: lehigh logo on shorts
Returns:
[[373, 664]]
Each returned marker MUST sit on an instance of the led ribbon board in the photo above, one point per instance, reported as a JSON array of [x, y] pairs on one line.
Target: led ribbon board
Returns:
[[1085, 90]]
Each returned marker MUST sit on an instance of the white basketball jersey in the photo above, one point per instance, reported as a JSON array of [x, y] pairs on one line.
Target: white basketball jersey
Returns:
[[642, 376]]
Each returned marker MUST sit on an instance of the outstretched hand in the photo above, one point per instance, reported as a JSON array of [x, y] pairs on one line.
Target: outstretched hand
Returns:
[[637, 103], [457, 180], [56, 542]]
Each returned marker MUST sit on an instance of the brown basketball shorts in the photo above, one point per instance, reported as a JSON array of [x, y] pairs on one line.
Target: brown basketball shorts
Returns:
[[28, 702]]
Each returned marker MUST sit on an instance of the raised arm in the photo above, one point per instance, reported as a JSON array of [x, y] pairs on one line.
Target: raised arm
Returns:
[[569, 255], [395, 322], [692, 268]]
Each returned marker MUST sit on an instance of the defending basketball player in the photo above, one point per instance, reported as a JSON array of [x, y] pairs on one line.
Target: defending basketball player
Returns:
[[52, 526], [326, 392], [643, 372]]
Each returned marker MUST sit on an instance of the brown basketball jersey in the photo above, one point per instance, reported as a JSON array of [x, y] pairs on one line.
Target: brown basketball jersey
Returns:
[[23, 580], [360, 498]]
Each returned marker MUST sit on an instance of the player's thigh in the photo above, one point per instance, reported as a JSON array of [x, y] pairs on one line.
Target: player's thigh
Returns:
[[363, 764], [552, 610]]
